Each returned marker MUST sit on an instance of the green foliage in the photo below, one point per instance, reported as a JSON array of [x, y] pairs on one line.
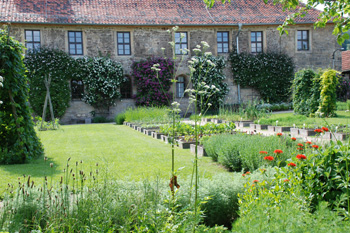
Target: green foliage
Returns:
[[120, 118], [252, 110], [269, 73], [149, 115], [328, 104], [208, 80], [306, 91], [101, 119], [241, 151], [46, 125], [102, 78], [59, 66], [19, 142]]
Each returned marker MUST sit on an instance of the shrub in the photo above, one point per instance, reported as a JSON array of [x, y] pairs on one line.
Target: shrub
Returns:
[[153, 91], [120, 118], [208, 80], [101, 119], [241, 151], [102, 78], [343, 89], [328, 104], [59, 66], [306, 91], [19, 142], [269, 73]]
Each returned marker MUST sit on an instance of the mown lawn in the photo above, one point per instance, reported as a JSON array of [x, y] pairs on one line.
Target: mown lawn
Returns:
[[121, 153]]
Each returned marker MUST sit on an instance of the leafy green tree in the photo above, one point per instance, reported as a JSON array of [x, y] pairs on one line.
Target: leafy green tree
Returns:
[[18, 140], [334, 11], [328, 104]]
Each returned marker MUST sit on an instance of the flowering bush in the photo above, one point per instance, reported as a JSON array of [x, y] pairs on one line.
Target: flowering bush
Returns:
[[270, 74], [59, 66], [102, 78], [153, 91], [208, 79]]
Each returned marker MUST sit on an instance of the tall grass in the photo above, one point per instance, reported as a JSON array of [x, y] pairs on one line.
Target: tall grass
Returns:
[[148, 115]]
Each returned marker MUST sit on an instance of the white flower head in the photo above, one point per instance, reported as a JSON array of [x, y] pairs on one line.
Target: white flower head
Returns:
[[208, 54], [211, 63], [163, 48], [205, 44], [172, 43], [196, 50], [1, 79], [182, 35], [175, 28], [209, 104], [198, 46]]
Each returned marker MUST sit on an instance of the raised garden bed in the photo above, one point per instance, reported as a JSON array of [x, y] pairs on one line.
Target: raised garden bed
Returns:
[[200, 150]]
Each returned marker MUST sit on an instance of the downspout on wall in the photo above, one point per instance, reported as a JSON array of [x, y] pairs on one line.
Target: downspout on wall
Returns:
[[237, 44]]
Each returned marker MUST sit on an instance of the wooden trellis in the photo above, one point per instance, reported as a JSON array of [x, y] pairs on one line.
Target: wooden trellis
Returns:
[[47, 82]]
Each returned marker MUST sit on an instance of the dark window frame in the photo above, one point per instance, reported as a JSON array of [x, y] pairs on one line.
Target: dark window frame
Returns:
[[77, 89], [181, 44], [75, 43], [124, 44], [256, 41], [302, 40], [178, 92], [222, 42], [126, 93], [33, 42]]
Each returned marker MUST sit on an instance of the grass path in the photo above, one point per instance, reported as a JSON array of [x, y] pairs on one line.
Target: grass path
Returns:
[[119, 150]]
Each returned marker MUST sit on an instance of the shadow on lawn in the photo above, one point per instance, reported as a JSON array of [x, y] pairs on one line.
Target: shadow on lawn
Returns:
[[36, 168]]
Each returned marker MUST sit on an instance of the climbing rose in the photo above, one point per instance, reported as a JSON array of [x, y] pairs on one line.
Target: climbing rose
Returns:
[[269, 158], [294, 139], [300, 156], [291, 164], [278, 151], [315, 146], [325, 129]]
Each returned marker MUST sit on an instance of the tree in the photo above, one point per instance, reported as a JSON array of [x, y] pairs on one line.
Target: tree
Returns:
[[336, 11], [18, 140]]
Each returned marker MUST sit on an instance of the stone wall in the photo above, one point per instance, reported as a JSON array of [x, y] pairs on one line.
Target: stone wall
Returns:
[[148, 41]]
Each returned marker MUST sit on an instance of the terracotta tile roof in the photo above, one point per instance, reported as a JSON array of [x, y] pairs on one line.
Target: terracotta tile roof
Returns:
[[144, 12], [345, 61]]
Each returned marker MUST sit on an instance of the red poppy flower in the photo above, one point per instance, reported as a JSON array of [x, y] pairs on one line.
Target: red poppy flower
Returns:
[[315, 146], [278, 151], [294, 139], [325, 129], [269, 158], [299, 148], [255, 181], [286, 180], [300, 156], [308, 142], [291, 164], [263, 152], [318, 131], [299, 144], [279, 134]]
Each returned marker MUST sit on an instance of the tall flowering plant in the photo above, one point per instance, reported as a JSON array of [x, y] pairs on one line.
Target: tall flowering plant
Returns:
[[153, 90]]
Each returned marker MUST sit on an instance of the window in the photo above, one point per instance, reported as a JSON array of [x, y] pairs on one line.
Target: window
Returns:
[[126, 88], [123, 43], [303, 40], [180, 87], [181, 43], [256, 42], [75, 43], [222, 40], [77, 88], [32, 39]]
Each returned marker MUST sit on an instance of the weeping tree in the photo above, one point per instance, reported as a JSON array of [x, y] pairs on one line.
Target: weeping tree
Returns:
[[18, 140]]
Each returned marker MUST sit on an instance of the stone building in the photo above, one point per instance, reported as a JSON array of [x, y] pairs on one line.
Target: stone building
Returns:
[[130, 30]]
